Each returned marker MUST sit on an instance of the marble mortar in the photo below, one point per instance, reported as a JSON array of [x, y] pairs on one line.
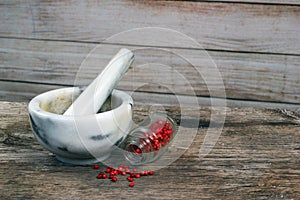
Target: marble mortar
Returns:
[[75, 139]]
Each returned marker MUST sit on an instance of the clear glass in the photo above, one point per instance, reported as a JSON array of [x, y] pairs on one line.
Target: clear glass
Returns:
[[150, 139]]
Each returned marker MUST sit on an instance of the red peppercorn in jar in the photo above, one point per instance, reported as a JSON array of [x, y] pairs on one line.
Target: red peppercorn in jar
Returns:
[[150, 139]]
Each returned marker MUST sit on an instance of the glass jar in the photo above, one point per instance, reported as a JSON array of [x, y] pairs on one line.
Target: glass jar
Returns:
[[150, 139]]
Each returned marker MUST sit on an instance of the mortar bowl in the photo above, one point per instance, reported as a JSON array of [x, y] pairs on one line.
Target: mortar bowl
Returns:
[[79, 140]]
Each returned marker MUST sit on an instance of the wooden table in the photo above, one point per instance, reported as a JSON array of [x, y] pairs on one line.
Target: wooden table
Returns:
[[256, 157], [255, 45]]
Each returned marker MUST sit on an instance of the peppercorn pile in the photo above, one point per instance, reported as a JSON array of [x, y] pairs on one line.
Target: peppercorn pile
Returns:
[[159, 135], [123, 170]]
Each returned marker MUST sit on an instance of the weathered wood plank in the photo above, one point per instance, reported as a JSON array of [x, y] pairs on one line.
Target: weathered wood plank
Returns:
[[226, 26], [256, 157], [245, 76], [293, 2], [18, 92]]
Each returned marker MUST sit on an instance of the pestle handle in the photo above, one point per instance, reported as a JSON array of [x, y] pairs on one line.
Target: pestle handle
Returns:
[[93, 97]]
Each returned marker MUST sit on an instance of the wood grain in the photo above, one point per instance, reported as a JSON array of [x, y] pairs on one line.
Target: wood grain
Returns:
[[22, 92], [222, 26], [18, 92], [245, 76], [284, 2], [256, 157]]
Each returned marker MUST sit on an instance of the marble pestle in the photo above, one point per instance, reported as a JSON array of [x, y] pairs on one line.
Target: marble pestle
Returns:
[[93, 97]]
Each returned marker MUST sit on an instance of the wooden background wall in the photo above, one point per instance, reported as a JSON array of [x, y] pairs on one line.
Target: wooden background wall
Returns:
[[255, 44]]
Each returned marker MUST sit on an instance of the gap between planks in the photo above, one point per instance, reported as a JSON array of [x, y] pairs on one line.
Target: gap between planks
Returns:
[[146, 46], [22, 92]]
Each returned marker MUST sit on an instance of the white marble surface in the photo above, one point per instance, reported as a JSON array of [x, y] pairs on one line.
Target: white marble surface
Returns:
[[93, 97]]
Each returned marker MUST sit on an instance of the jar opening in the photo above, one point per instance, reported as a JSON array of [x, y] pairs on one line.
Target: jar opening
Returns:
[[150, 140]]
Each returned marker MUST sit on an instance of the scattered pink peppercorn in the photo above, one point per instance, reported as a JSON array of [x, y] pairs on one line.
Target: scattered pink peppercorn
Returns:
[[114, 179], [131, 184], [96, 166], [151, 172], [99, 176], [130, 179], [104, 176], [144, 173], [122, 170], [137, 175]]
